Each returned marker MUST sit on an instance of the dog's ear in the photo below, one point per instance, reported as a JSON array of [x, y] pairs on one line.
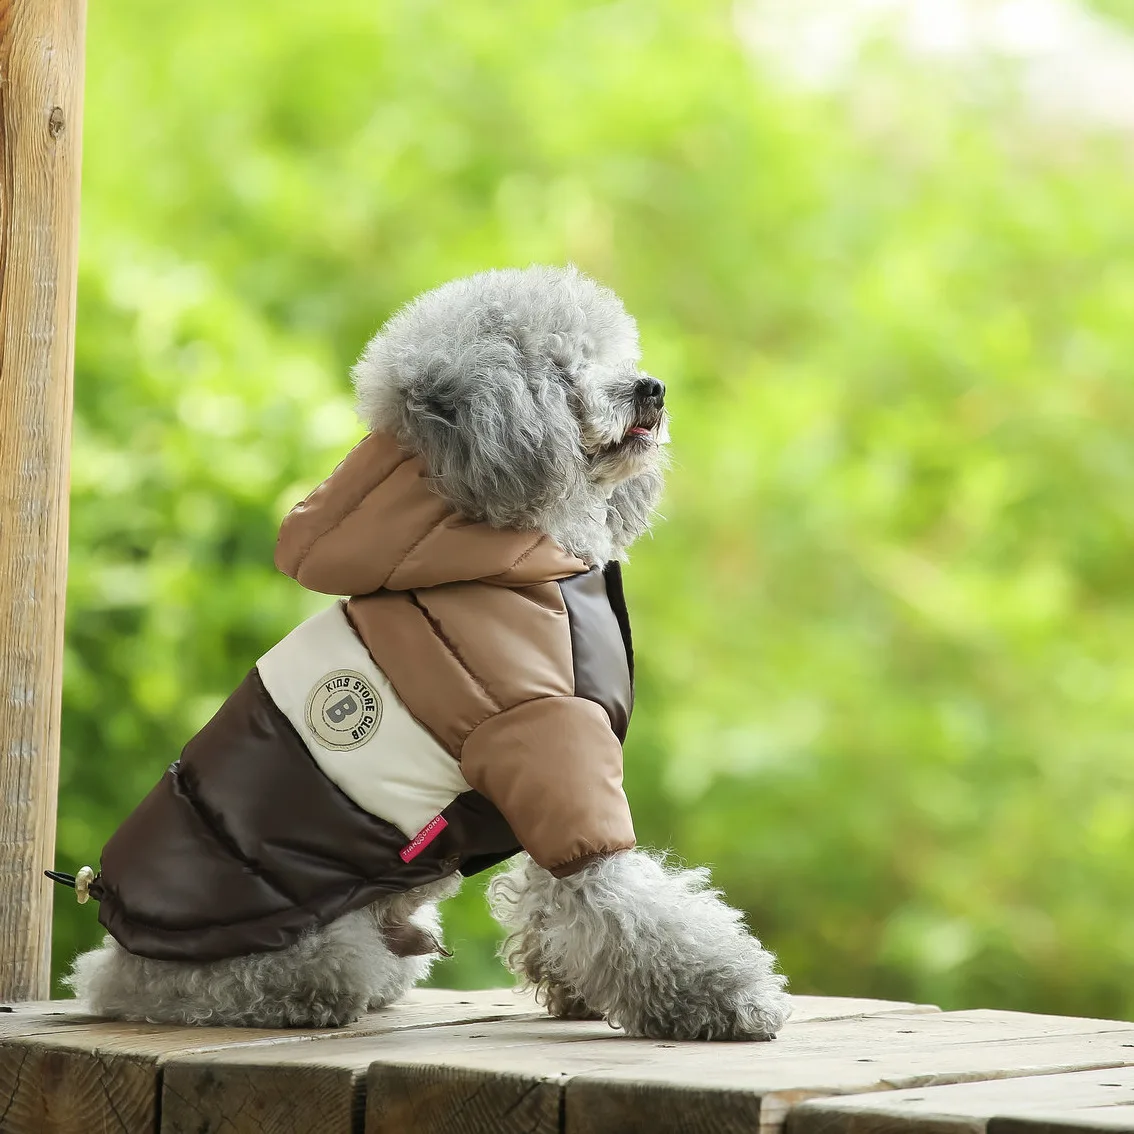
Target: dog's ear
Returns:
[[491, 424]]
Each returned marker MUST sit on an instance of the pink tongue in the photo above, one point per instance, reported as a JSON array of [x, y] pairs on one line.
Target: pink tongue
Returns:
[[638, 431]]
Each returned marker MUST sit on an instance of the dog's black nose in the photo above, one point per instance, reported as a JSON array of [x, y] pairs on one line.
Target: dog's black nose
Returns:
[[650, 390]]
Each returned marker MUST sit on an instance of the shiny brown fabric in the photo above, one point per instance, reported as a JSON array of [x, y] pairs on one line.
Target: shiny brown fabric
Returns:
[[376, 523], [564, 810], [244, 843], [469, 621], [602, 656]]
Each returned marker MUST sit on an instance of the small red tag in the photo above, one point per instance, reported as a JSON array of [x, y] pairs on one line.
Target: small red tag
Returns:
[[423, 838]]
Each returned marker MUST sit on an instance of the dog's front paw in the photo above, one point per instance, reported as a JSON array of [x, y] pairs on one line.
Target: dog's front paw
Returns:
[[755, 1014], [752, 1012], [564, 1004]]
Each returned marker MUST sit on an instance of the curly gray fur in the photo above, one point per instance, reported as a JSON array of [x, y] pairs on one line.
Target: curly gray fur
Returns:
[[327, 979], [516, 387], [649, 947]]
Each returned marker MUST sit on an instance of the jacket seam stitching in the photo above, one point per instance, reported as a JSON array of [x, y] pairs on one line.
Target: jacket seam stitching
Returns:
[[440, 635], [414, 546], [354, 507], [531, 551], [311, 909], [502, 709], [587, 856], [219, 832], [527, 553], [454, 756]]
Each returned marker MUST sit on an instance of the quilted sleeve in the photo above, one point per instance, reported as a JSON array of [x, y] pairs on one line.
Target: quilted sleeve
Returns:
[[553, 768]]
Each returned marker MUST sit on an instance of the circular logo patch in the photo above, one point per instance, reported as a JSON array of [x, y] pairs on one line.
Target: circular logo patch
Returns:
[[344, 709]]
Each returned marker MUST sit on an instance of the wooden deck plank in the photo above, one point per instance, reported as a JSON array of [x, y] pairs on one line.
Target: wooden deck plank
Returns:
[[454, 1100], [970, 1108], [30, 1007], [630, 1085], [200, 1089], [1095, 1120], [606, 1081], [456, 1063], [634, 1100], [812, 1008], [19, 1024], [285, 1094], [64, 1072]]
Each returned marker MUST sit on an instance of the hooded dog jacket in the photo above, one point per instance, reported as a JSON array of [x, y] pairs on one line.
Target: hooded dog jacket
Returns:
[[470, 700]]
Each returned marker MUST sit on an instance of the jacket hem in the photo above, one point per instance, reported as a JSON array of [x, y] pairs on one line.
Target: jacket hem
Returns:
[[574, 865]]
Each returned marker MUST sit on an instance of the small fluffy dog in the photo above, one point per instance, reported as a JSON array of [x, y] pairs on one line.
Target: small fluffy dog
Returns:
[[467, 702]]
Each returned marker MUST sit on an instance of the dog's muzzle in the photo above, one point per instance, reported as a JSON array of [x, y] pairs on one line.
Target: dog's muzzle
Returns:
[[649, 395]]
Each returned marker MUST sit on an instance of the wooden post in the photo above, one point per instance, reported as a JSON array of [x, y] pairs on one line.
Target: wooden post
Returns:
[[41, 87]]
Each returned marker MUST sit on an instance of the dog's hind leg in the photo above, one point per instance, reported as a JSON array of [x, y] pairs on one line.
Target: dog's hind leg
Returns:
[[328, 978], [409, 925], [648, 947]]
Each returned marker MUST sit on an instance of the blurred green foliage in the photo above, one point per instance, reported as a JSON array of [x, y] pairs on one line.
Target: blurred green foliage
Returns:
[[886, 675], [1119, 11]]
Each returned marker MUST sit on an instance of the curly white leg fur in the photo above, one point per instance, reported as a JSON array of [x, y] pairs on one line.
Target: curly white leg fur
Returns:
[[650, 948], [328, 978]]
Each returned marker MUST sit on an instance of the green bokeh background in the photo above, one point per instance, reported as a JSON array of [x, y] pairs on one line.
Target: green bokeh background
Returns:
[[886, 672]]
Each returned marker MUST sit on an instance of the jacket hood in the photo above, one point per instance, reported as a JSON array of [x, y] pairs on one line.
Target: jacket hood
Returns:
[[376, 523]]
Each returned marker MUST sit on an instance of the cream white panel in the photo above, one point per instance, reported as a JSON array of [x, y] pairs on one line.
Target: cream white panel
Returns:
[[323, 679]]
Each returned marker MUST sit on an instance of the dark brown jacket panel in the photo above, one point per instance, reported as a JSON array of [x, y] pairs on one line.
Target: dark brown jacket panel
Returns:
[[245, 843]]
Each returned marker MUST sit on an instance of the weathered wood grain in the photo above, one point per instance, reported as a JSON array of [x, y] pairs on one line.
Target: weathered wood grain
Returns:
[[32, 1007], [811, 1008], [203, 1091], [45, 1019], [319, 1086], [973, 1108], [41, 84], [596, 1105], [451, 1100], [63, 1073], [457, 1063], [607, 1082], [636, 1099], [1094, 1120], [611, 1083], [43, 1090], [237, 1098]]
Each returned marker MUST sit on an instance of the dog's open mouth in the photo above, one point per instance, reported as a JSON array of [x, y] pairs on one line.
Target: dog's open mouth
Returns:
[[641, 433], [640, 439]]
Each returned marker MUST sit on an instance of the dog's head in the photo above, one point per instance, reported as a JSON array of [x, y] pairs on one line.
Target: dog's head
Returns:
[[521, 391]]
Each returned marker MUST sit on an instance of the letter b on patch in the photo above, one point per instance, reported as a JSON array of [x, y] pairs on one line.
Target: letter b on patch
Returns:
[[343, 710]]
